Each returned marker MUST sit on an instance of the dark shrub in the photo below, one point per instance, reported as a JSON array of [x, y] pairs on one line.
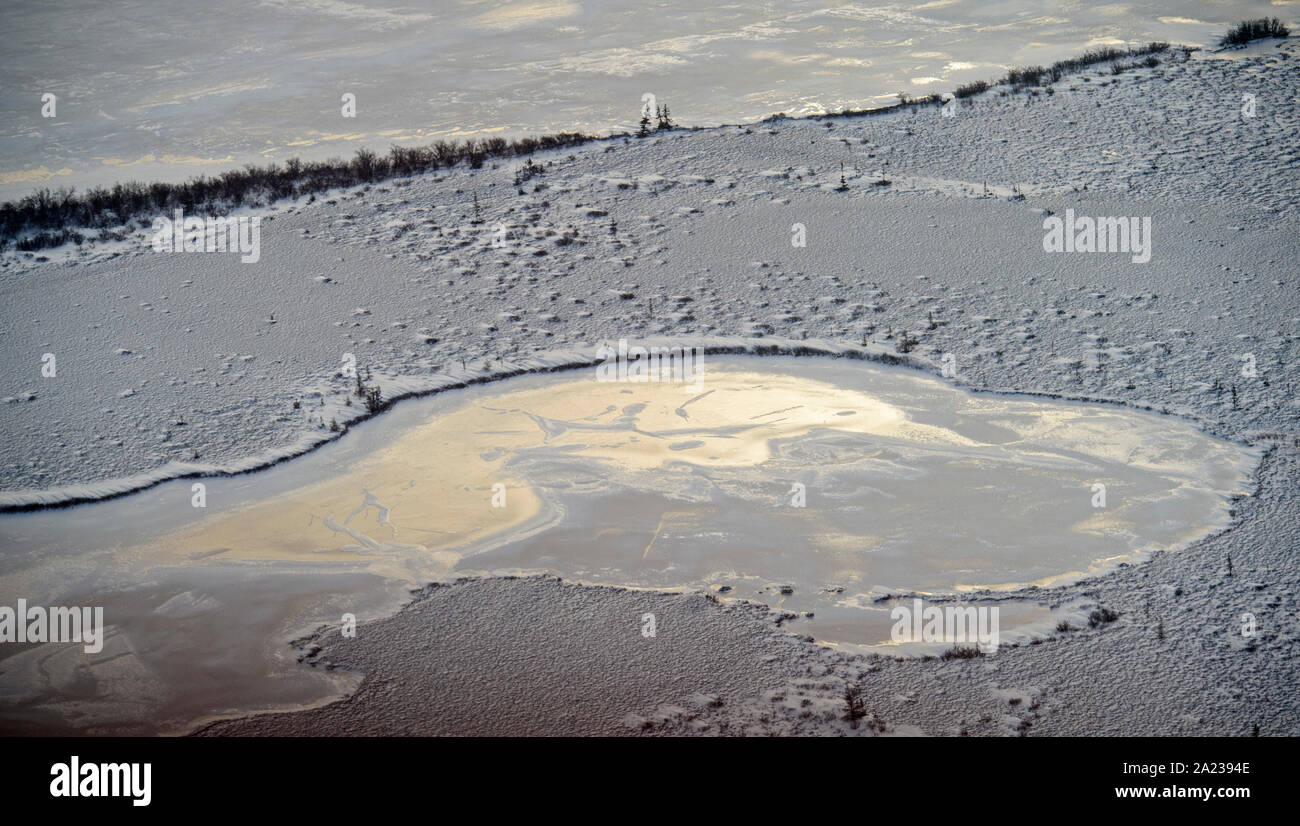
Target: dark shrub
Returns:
[[962, 652], [1101, 616], [972, 88], [1248, 30]]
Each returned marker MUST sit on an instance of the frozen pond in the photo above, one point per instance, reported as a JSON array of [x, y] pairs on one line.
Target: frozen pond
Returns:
[[155, 92], [823, 485]]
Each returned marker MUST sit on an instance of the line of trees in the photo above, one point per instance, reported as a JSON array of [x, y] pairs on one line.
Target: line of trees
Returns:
[[1035, 75], [1017, 78], [48, 217]]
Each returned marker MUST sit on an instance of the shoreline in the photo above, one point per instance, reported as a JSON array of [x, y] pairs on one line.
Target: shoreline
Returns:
[[24, 501]]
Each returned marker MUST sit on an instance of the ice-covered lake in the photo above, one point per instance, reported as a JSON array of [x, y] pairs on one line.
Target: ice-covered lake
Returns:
[[828, 486], [156, 91]]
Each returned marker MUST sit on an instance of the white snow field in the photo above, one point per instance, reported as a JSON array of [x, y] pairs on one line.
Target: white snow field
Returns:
[[930, 257]]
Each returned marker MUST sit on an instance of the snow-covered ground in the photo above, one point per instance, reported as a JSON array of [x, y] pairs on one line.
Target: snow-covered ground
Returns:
[[178, 363]]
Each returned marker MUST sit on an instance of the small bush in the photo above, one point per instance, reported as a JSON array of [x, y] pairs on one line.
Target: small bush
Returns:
[[970, 89], [528, 171], [1101, 616], [1248, 30], [44, 240], [855, 708], [962, 652], [1027, 76]]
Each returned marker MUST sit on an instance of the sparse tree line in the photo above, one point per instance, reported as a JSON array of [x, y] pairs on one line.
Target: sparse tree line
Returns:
[[1018, 79], [47, 218], [1241, 34], [1024, 76], [1038, 75]]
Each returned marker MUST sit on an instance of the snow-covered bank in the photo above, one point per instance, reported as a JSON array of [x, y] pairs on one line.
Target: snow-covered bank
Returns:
[[397, 388]]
